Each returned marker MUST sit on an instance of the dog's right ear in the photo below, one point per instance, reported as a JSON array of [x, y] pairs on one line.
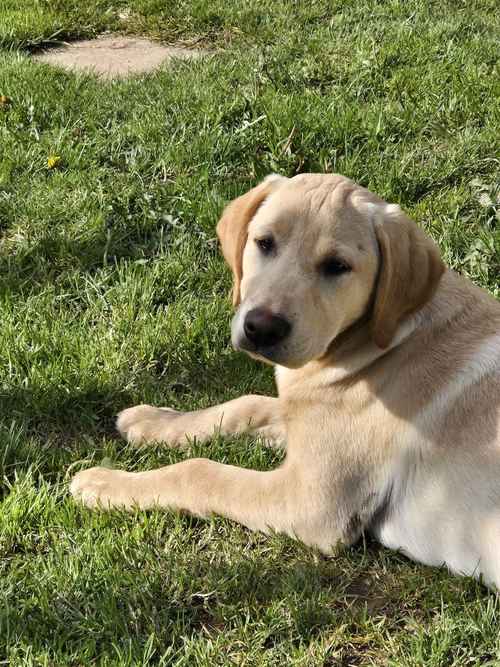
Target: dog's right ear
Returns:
[[232, 228]]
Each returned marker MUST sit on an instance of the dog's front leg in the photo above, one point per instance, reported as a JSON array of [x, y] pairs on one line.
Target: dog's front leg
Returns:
[[263, 501], [248, 414]]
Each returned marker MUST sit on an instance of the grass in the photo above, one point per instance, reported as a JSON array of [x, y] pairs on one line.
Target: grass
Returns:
[[113, 292]]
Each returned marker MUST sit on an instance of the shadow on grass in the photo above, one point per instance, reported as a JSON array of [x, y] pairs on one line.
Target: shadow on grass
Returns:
[[283, 597], [44, 263], [51, 411]]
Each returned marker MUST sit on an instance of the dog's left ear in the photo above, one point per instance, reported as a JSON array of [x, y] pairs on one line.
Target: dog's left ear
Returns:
[[232, 228], [411, 268]]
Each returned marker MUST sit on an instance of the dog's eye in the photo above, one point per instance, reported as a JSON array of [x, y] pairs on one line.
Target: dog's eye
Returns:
[[265, 245], [334, 267]]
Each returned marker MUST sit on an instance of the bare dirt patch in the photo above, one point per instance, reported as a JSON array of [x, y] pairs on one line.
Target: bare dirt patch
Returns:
[[115, 56]]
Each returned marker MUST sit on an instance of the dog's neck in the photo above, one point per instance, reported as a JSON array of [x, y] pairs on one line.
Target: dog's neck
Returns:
[[356, 350]]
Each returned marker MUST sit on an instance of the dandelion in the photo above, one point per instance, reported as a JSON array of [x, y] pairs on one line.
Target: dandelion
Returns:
[[5, 102], [54, 161]]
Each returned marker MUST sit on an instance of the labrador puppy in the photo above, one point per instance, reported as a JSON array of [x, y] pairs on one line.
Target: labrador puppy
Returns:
[[387, 368]]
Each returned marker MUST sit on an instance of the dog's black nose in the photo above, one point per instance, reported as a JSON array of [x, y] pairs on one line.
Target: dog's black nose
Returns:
[[263, 328]]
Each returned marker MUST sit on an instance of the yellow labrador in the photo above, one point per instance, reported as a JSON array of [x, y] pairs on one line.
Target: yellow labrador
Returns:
[[387, 366]]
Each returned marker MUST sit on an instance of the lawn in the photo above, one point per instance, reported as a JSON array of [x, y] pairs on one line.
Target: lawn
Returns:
[[113, 292]]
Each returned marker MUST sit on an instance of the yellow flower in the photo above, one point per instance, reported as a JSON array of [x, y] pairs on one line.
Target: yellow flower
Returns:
[[5, 102], [54, 161]]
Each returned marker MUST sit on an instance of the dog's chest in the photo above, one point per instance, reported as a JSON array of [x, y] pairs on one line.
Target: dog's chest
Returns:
[[440, 512]]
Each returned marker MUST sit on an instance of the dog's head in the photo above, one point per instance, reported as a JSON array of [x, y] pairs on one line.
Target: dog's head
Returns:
[[314, 254]]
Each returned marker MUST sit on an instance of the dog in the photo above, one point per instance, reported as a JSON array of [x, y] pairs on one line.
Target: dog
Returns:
[[387, 368]]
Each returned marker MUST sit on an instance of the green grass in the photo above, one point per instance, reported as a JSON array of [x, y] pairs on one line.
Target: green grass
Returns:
[[113, 292]]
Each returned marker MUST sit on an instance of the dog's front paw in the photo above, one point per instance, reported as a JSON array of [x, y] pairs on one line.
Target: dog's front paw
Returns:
[[145, 423], [102, 487]]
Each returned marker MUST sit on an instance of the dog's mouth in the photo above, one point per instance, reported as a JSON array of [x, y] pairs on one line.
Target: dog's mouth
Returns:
[[277, 355], [267, 354]]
